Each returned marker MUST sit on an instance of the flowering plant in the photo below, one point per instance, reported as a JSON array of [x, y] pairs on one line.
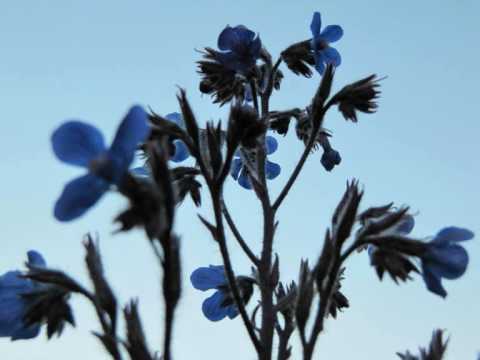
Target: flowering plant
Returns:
[[240, 73]]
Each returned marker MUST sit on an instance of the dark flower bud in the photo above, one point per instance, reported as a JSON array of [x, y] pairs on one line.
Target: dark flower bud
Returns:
[[298, 57], [49, 304], [136, 344], [304, 297], [330, 158], [358, 96], [435, 351], [394, 263]]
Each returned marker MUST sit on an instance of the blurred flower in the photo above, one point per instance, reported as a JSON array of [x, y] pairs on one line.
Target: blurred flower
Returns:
[[320, 43], [240, 48], [444, 258], [220, 304], [13, 305], [404, 227], [180, 151], [81, 144], [239, 170]]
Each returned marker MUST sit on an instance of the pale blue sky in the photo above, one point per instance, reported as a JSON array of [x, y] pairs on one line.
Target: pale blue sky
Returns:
[[93, 59]]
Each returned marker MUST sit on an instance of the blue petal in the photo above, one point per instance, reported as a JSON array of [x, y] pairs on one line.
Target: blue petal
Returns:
[[232, 311], [272, 170], [26, 333], [176, 118], [271, 144], [255, 47], [316, 24], [132, 131], [237, 164], [36, 259], [407, 225], [181, 151], [332, 56], [452, 234], [78, 196], [330, 158], [433, 282], [244, 34], [212, 307], [226, 38], [332, 33], [449, 262], [206, 278], [320, 62], [243, 180], [77, 143], [12, 309], [12, 282]]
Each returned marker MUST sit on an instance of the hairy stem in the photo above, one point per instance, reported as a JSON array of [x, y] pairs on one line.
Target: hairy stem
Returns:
[[217, 208], [238, 236]]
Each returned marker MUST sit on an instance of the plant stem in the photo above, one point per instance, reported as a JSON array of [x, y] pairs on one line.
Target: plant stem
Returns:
[[217, 208], [238, 236]]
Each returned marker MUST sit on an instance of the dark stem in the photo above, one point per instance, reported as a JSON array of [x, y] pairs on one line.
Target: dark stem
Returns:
[[266, 285], [238, 236], [269, 89], [217, 208], [308, 148], [325, 300], [253, 89]]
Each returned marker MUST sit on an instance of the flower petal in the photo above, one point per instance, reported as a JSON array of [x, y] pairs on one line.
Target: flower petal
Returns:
[[226, 38], [232, 311], [407, 225], [237, 164], [206, 278], [452, 234], [319, 62], [243, 179], [272, 170], [78, 196], [176, 118], [24, 333], [212, 307], [36, 259], [330, 158], [181, 151], [255, 47], [449, 262], [433, 282], [316, 24], [332, 56], [132, 131], [271, 144], [13, 282], [332, 33], [77, 143]]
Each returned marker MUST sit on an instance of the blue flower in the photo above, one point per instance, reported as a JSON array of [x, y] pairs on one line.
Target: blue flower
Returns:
[[219, 305], [322, 51], [13, 306], [180, 152], [240, 48], [239, 170], [330, 158], [81, 144], [444, 258]]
